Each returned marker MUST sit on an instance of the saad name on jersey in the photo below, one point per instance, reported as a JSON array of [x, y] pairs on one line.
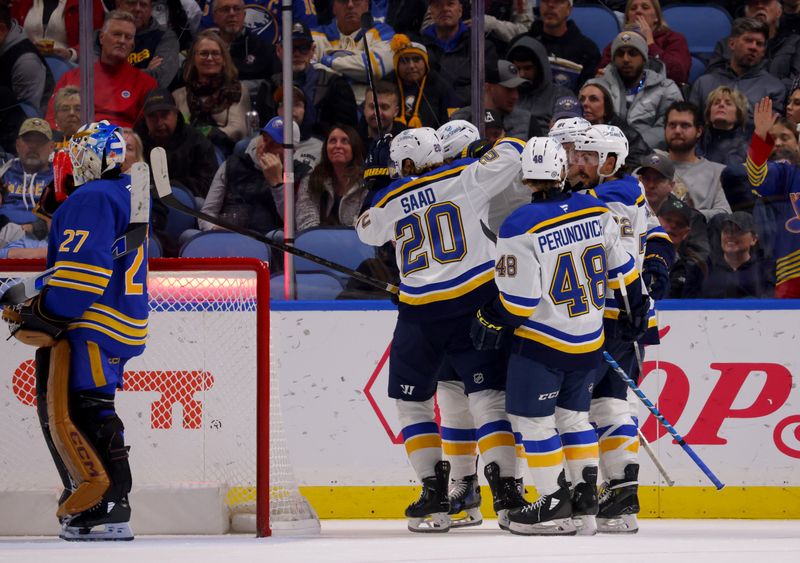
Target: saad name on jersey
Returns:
[[570, 234], [417, 200]]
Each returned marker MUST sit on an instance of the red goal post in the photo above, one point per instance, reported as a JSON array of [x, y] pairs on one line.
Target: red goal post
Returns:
[[197, 406]]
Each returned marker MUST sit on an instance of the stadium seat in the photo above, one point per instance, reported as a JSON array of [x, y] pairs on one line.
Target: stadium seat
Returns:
[[58, 66], [337, 244], [702, 25], [178, 222], [310, 285], [596, 22], [697, 70], [154, 248], [221, 243]]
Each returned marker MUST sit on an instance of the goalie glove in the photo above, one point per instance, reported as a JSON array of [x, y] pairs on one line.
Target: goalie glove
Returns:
[[487, 333], [632, 327], [32, 325]]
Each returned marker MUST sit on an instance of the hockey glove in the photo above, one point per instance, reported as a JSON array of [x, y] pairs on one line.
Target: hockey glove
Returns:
[[632, 327], [477, 149], [655, 275], [32, 325], [376, 167], [486, 333]]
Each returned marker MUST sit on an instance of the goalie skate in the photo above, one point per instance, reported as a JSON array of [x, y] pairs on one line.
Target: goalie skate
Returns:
[[430, 513], [550, 515], [107, 521], [465, 502]]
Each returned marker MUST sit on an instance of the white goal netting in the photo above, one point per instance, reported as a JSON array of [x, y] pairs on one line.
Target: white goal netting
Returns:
[[189, 405]]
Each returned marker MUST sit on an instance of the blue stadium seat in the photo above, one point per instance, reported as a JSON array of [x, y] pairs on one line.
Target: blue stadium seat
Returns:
[[154, 248], [221, 243], [29, 110], [697, 70], [596, 22], [337, 244], [310, 285], [178, 222], [58, 66], [702, 25]]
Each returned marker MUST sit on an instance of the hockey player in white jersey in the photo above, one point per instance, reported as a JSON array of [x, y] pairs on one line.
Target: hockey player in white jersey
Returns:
[[433, 215], [599, 154], [565, 131], [554, 259]]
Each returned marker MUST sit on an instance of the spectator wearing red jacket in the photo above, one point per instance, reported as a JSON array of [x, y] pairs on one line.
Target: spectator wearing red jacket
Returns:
[[56, 31], [670, 47], [119, 88]]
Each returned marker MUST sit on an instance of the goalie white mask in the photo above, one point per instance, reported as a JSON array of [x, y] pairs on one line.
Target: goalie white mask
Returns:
[[420, 145], [604, 140], [544, 159], [455, 136], [96, 149], [568, 129]]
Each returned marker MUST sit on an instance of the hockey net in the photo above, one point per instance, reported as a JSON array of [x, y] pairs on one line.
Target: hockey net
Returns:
[[201, 408]]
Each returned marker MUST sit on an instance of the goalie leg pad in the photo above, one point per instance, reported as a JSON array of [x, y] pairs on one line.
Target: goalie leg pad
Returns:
[[77, 452]]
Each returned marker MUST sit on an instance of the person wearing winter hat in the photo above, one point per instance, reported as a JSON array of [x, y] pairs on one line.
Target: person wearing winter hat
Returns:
[[424, 97]]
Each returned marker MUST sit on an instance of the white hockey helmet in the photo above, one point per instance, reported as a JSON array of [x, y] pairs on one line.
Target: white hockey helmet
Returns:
[[604, 140], [544, 158], [455, 136], [567, 130], [420, 145]]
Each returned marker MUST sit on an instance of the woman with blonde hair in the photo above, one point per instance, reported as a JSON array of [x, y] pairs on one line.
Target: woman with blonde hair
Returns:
[[670, 47], [134, 149], [213, 99], [724, 139], [334, 191]]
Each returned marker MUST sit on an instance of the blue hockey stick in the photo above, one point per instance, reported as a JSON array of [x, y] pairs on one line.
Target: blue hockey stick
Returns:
[[660, 417]]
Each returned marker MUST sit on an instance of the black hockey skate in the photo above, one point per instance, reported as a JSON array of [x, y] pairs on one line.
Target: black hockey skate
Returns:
[[505, 493], [430, 513], [550, 515], [113, 517], [585, 503], [465, 502], [619, 504]]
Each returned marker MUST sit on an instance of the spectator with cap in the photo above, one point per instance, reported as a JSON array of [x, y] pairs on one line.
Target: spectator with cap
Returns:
[[119, 88], [745, 70], [190, 155], [501, 94], [155, 49], [308, 148], [738, 272], [23, 179], [329, 97], [724, 138], [254, 57], [24, 78], [493, 126], [447, 40], [598, 109], [657, 175], [247, 190], [425, 99], [663, 44], [338, 47], [639, 95], [539, 96], [782, 49], [682, 132], [213, 99], [689, 269], [67, 115], [573, 56], [55, 30], [333, 193]]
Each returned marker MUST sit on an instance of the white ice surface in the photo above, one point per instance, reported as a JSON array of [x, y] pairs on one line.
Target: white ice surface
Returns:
[[673, 541]]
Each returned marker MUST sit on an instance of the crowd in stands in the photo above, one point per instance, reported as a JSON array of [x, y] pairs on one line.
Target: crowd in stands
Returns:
[[203, 79]]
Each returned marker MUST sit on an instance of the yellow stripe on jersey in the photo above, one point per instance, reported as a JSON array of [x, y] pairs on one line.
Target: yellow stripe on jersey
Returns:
[[568, 216], [423, 441], [545, 460], [117, 314], [110, 333], [517, 310], [613, 283], [96, 364], [640, 200], [449, 293], [83, 266], [496, 440], [418, 183], [458, 448], [64, 274], [76, 286], [583, 451], [560, 345], [114, 325]]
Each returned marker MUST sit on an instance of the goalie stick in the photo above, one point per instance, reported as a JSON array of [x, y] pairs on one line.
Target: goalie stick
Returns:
[[158, 163]]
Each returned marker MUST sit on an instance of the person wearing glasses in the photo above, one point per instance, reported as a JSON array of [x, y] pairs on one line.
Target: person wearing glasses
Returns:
[[213, 99]]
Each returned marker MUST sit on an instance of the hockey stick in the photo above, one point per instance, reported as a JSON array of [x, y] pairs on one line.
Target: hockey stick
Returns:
[[366, 24], [660, 417], [642, 439], [158, 163]]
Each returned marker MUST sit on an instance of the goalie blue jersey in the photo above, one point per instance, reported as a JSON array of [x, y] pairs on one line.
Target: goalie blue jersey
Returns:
[[106, 298]]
